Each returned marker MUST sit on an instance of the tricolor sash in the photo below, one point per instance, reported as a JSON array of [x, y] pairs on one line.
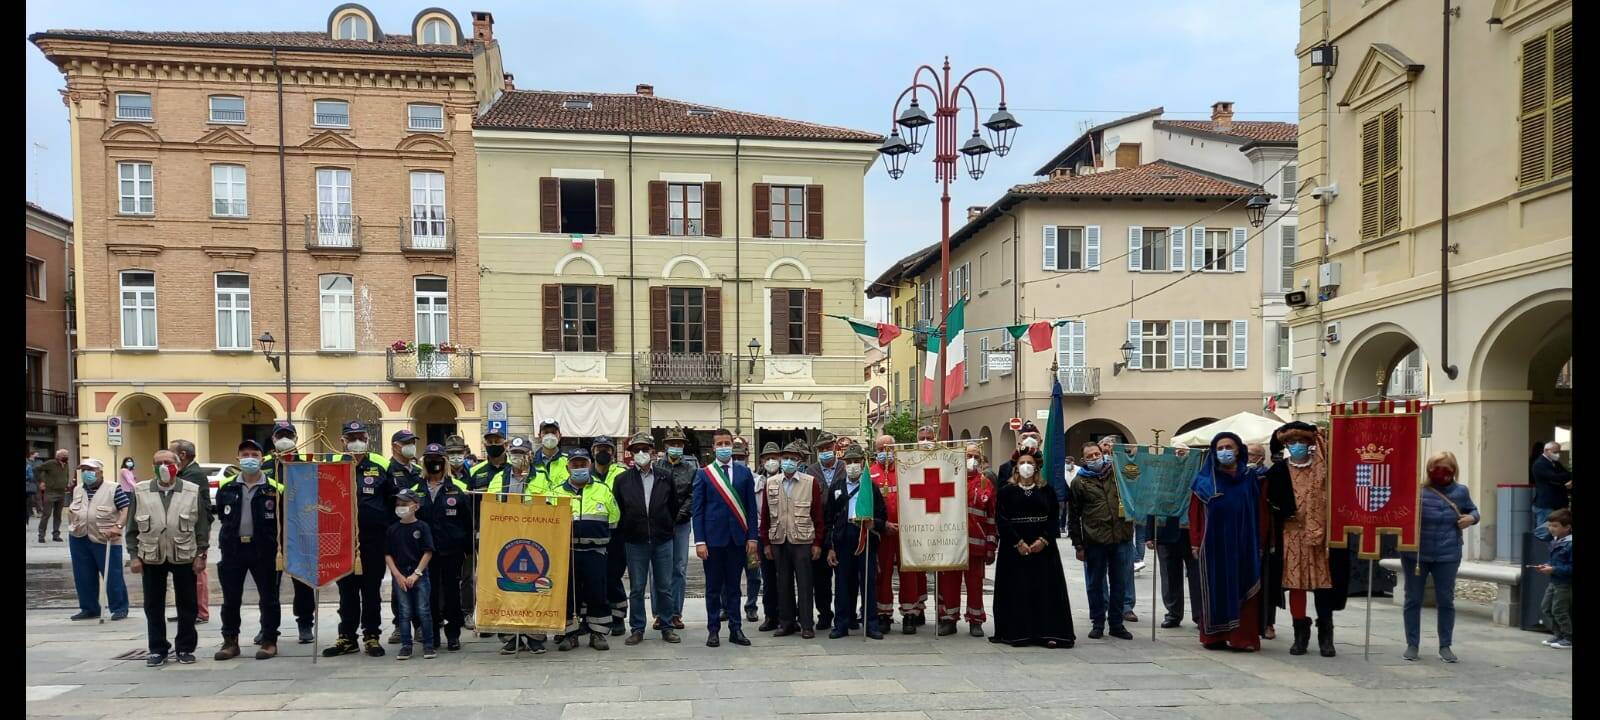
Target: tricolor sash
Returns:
[[724, 486]]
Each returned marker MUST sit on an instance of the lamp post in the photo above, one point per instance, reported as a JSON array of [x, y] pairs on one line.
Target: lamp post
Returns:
[[755, 352], [1002, 126], [1255, 208], [1127, 357], [266, 351]]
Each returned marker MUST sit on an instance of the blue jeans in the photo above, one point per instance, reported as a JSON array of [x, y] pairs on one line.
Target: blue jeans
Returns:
[[88, 561], [680, 565], [650, 562], [414, 606], [1444, 596], [1539, 516], [1108, 570]]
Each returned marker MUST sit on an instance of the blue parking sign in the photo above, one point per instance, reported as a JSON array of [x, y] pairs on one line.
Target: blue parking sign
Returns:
[[496, 426]]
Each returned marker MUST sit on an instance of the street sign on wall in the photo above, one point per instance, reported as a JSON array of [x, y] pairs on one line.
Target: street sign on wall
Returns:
[[1000, 362], [1014, 423], [879, 395], [497, 410], [114, 431]]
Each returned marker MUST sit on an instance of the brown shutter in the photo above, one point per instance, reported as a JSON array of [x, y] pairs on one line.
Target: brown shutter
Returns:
[[813, 322], [780, 321], [1561, 57], [552, 317], [814, 212], [1390, 192], [1370, 177], [604, 303], [656, 194], [549, 205], [605, 201], [711, 208], [713, 320], [658, 320], [761, 210]]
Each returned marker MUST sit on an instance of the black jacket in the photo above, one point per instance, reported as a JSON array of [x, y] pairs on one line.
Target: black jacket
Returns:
[[682, 476], [641, 525], [842, 534], [1549, 483], [449, 516], [264, 505]]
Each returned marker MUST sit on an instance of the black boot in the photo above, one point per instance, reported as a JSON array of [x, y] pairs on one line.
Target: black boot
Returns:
[[1302, 636], [1325, 637]]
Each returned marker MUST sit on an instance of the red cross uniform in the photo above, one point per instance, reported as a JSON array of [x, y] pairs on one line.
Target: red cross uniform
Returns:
[[982, 544], [913, 586]]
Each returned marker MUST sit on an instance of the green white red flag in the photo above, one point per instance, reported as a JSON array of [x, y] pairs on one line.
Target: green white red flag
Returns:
[[878, 333], [955, 351], [1039, 335]]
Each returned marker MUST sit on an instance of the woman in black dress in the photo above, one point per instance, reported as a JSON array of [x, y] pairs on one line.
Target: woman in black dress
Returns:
[[1030, 589]]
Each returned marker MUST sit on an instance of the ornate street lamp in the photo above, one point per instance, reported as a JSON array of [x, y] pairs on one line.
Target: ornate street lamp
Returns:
[[755, 352], [977, 154], [266, 350], [1255, 208], [894, 151], [1002, 127], [916, 121], [1127, 357]]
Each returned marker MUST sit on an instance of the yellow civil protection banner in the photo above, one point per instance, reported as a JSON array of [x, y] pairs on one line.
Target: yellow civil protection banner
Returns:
[[524, 552]]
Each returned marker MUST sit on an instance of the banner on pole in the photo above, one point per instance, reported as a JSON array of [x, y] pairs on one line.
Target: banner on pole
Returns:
[[1374, 467], [319, 538], [1154, 481], [524, 552], [932, 509]]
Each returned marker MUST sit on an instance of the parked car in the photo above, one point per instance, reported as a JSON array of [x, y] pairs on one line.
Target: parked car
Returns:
[[215, 472]]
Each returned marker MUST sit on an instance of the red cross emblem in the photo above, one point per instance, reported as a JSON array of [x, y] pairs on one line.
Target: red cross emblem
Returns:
[[931, 490]]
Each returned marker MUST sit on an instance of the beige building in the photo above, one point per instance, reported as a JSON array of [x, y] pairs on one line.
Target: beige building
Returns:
[[203, 224], [1488, 339], [652, 262]]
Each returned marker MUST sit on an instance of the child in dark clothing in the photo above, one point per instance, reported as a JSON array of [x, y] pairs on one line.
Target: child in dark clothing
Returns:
[[410, 547], [1557, 606]]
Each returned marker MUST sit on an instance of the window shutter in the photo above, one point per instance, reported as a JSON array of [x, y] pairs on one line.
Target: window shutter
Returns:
[[658, 320], [813, 322], [1197, 344], [549, 205], [1370, 176], [1064, 348], [605, 303], [605, 201], [1080, 330], [1049, 241], [713, 320], [1241, 343], [1180, 345], [1241, 253], [778, 320], [1391, 171], [1175, 238], [1535, 110], [1135, 244], [711, 208], [1135, 358], [1561, 101], [1197, 247], [814, 212], [1290, 249], [552, 317], [656, 192], [761, 210], [1091, 247], [1291, 184]]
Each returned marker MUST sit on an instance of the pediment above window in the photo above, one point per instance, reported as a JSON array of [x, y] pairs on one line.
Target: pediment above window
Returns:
[[330, 140], [224, 136], [1513, 13], [130, 132], [424, 143], [1382, 71]]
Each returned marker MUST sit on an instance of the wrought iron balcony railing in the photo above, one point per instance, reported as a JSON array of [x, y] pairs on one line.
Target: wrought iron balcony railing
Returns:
[[338, 232], [428, 233], [49, 402], [669, 368], [1079, 381], [431, 366]]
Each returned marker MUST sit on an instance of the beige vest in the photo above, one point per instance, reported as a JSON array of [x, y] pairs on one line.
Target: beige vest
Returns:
[[790, 517], [93, 518], [166, 535]]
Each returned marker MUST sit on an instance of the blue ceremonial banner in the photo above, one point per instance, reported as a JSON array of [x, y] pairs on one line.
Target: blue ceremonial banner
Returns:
[[319, 539], [1154, 483]]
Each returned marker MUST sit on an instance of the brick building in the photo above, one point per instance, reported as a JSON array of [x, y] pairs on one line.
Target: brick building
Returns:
[[47, 294]]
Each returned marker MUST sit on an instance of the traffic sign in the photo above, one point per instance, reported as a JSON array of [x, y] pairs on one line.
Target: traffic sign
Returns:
[[114, 431], [496, 426], [879, 395], [1015, 424], [497, 410]]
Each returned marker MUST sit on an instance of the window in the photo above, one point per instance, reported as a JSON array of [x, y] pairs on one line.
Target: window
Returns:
[[1546, 111], [1380, 174], [789, 321], [425, 117], [338, 312], [926, 301], [1290, 248], [579, 213], [684, 209], [1214, 251], [1214, 344], [353, 27], [138, 309], [983, 360], [1069, 252], [335, 223], [330, 113], [1006, 260], [233, 311], [433, 311], [1154, 336], [1291, 183], [227, 109], [1155, 250], [228, 191], [686, 309], [961, 281], [34, 283], [580, 318], [33, 366], [427, 210], [788, 204], [136, 188], [438, 32], [133, 106], [985, 270], [1283, 346]]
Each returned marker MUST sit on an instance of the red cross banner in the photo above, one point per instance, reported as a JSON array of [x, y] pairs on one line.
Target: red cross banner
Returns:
[[933, 508], [1374, 465]]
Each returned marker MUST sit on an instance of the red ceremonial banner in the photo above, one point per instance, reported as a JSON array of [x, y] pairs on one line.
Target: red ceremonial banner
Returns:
[[1374, 469], [319, 521]]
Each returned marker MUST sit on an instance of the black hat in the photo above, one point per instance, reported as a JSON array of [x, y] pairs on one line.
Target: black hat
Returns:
[[577, 453], [283, 429], [407, 494], [433, 449], [248, 444], [1028, 427], [354, 426], [604, 440], [403, 435], [549, 422]]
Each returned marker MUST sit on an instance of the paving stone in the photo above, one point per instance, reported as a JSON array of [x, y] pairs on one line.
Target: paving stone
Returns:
[[663, 709], [454, 698], [258, 687], [339, 701], [845, 688]]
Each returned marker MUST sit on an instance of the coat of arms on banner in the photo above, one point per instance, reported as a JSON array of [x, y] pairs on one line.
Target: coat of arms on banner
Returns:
[[1374, 465], [1372, 477]]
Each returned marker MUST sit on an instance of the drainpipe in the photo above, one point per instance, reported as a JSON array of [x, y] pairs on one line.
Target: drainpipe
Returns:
[[633, 297], [738, 305], [283, 226], [1016, 318], [1327, 238], [1445, 248]]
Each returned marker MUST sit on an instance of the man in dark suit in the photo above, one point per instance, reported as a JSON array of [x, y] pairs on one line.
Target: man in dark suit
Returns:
[[1550, 479], [648, 504], [725, 532], [853, 572]]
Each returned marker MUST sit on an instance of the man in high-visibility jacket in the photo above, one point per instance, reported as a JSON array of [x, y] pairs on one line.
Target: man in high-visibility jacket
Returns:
[[359, 598], [605, 471], [445, 507], [305, 597], [594, 517], [549, 463]]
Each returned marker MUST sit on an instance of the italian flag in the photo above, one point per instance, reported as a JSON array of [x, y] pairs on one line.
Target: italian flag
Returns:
[[929, 362], [955, 350], [879, 333], [1039, 334], [861, 512]]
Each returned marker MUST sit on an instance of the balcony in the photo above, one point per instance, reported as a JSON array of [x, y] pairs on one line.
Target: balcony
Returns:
[[1285, 382], [1408, 382], [668, 368], [1079, 381], [407, 367], [428, 235], [333, 232], [49, 402]]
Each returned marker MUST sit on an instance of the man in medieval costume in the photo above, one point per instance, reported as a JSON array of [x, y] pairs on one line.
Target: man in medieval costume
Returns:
[[1302, 561]]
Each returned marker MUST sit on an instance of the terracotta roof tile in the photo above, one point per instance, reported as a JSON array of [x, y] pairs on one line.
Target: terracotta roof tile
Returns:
[[1158, 178], [1260, 131], [648, 114], [390, 44]]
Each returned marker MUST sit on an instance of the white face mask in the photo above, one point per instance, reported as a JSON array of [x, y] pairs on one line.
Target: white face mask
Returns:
[[925, 444], [519, 460], [852, 470], [1031, 443], [641, 458], [1025, 470], [402, 511], [771, 466], [972, 464], [283, 445], [550, 440], [356, 446], [409, 451]]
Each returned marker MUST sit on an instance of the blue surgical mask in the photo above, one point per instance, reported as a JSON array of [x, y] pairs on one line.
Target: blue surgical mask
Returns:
[[579, 476], [788, 466], [90, 477], [1225, 457], [884, 456], [250, 465], [674, 452], [725, 453], [1299, 451], [1098, 463], [825, 456]]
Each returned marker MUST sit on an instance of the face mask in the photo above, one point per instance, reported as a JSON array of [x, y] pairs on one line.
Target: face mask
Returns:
[[580, 476], [725, 453], [925, 444], [90, 477], [1553, 456], [549, 441], [771, 466], [789, 466], [250, 465], [1030, 443], [283, 444], [128, 464], [641, 458], [604, 458], [409, 452], [852, 470], [356, 446], [825, 456], [455, 460], [674, 452], [433, 467], [402, 511], [972, 464], [1440, 475], [1025, 470], [1096, 464], [495, 451], [1299, 451], [166, 472], [519, 460], [1225, 457]]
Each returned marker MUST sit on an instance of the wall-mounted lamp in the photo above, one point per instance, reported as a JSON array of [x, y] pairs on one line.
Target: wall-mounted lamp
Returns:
[[1127, 355], [266, 351], [755, 352]]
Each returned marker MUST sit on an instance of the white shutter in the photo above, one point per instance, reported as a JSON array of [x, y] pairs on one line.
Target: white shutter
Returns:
[[1091, 247], [1049, 247], [1175, 238], [1135, 360], [1197, 247], [983, 359], [1240, 253], [1135, 243], [1064, 345], [1241, 343], [1079, 356], [1196, 344], [1180, 345]]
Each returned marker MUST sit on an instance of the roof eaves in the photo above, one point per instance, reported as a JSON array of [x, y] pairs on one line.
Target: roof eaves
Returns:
[[1207, 173], [464, 53], [38, 209], [1045, 170], [1253, 144]]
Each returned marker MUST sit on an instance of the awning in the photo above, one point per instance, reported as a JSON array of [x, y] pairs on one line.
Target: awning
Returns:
[[1250, 427], [584, 414], [691, 414], [788, 415]]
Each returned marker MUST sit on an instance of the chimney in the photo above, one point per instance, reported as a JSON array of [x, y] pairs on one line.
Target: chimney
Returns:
[[974, 211], [1060, 173], [511, 82], [482, 26], [645, 89], [1222, 115]]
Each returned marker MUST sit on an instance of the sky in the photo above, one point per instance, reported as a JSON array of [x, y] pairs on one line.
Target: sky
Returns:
[[1067, 64]]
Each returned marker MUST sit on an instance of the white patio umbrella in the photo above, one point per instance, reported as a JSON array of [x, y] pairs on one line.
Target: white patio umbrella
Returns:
[[1249, 426]]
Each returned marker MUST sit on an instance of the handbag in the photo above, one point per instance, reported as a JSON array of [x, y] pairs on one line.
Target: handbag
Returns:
[[1454, 507]]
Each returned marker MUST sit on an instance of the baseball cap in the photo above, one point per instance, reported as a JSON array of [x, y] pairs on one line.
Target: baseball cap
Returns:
[[403, 436], [407, 494], [604, 440], [354, 426], [549, 422], [519, 444], [577, 454], [283, 428], [433, 449], [247, 443], [493, 431]]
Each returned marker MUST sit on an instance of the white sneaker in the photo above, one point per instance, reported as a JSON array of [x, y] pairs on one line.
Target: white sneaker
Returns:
[[1138, 566], [1549, 642]]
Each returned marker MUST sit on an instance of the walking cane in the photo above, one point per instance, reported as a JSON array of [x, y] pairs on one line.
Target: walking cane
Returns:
[[105, 579], [1366, 643], [1155, 563]]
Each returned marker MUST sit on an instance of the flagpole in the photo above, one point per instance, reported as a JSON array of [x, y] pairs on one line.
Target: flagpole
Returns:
[[1366, 643], [1155, 562]]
